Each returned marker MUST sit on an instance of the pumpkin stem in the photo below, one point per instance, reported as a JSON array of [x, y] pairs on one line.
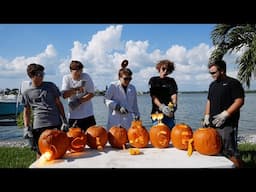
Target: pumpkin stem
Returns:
[[190, 148]]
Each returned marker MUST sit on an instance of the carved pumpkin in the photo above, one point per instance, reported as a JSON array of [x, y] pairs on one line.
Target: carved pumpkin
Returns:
[[138, 135], [160, 135], [77, 139], [97, 137], [54, 142], [207, 141], [180, 135], [117, 137]]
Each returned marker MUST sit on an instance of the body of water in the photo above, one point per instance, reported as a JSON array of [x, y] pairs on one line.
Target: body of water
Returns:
[[190, 111]]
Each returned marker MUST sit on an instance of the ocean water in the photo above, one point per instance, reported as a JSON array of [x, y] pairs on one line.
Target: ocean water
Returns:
[[190, 111]]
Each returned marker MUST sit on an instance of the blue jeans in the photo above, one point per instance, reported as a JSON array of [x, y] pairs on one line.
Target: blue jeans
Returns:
[[170, 122]]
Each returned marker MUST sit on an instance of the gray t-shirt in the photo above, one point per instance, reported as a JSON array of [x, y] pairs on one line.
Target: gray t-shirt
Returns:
[[42, 102]]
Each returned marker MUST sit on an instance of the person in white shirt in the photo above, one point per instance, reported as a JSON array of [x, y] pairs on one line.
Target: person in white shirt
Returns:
[[78, 87], [121, 100]]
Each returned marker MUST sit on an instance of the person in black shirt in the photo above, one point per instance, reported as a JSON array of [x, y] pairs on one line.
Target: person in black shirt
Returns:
[[222, 110], [163, 92]]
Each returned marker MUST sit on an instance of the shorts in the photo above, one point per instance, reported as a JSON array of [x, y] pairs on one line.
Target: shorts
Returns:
[[170, 122], [84, 123]]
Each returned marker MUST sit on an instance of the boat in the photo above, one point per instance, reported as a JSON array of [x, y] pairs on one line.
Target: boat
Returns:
[[10, 106]]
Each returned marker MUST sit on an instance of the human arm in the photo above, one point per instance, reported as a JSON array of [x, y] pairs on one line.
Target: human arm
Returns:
[[219, 120], [71, 92], [206, 121], [27, 132], [174, 101], [60, 107], [67, 90]]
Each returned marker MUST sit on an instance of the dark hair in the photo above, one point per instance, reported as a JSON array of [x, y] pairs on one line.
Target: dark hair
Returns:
[[220, 64], [75, 65], [167, 63], [33, 68], [124, 70]]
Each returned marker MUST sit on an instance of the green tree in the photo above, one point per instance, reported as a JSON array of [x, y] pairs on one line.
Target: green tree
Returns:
[[229, 38]]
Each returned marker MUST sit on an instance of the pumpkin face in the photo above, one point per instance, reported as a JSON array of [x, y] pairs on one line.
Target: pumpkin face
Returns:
[[117, 137], [53, 142], [77, 139], [207, 141], [138, 135], [180, 136], [97, 137], [160, 135]]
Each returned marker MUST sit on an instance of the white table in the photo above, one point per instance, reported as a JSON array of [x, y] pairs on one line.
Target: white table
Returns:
[[149, 158]]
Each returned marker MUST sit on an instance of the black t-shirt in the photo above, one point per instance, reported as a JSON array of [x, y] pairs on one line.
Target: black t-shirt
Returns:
[[222, 94], [163, 89]]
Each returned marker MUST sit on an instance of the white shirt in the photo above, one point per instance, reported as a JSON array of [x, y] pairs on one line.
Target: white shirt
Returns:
[[86, 108], [115, 94]]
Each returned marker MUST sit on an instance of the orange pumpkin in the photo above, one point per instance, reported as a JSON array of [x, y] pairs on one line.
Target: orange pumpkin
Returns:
[[53, 142], [180, 135], [207, 141], [160, 135], [117, 137], [138, 135], [97, 137], [77, 139]]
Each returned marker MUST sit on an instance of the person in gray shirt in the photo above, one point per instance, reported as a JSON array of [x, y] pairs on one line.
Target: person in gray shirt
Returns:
[[42, 99]]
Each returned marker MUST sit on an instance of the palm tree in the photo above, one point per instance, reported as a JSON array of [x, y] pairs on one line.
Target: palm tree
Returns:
[[228, 38]]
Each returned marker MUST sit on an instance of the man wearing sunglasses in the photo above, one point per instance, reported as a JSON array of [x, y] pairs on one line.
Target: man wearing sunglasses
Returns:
[[222, 110], [121, 100], [163, 92], [43, 100]]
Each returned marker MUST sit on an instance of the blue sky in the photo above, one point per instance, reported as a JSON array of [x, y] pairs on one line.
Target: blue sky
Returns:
[[102, 47]]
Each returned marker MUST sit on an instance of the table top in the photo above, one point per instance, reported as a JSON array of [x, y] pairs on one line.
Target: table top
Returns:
[[149, 157]]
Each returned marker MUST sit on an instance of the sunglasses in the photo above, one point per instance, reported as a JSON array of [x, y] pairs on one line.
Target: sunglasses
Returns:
[[163, 69], [39, 74], [213, 72], [127, 78]]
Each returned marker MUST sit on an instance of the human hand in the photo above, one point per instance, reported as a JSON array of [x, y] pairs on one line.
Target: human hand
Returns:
[[173, 107], [206, 122], [65, 125], [74, 103], [220, 118], [27, 132], [120, 109], [137, 118], [166, 110]]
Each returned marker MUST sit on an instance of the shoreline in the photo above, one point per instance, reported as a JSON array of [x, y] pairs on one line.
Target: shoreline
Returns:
[[24, 143]]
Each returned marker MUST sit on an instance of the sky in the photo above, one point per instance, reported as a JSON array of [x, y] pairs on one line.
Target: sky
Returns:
[[102, 47]]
